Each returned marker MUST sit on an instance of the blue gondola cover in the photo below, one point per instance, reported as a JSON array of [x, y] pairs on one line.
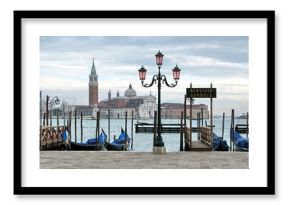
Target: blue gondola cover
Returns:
[[101, 139], [241, 141], [219, 144]]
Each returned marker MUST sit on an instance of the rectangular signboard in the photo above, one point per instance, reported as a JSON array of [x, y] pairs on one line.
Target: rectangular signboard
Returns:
[[201, 92]]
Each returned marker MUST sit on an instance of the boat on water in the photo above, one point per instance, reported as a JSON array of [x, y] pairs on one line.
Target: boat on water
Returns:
[[90, 144], [241, 143], [219, 144], [120, 143]]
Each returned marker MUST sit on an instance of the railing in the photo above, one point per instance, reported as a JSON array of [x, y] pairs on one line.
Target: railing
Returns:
[[165, 128], [51, 137], [205, 135], [242, 128]]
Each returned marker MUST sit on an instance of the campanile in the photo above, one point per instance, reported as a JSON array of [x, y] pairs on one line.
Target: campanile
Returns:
[[93, 87]]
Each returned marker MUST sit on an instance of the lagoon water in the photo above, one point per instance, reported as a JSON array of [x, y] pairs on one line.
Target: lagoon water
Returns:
[[143, 142]]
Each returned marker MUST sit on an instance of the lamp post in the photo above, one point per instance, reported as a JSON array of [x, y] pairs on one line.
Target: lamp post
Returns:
[[64, 106], [52, 102], [158, 78]]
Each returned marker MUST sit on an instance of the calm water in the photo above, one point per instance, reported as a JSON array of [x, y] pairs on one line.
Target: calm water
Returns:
[[143, 142]]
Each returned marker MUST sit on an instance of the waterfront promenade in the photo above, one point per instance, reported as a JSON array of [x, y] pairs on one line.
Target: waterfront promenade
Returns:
[[142, 160]]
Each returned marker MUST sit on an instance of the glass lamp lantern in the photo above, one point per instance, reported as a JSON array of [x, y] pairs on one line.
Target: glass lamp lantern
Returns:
[[57, 101], [176, 73], [142, 73], [159, 58]]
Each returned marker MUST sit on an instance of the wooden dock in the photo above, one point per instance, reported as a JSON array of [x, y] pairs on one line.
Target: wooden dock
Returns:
[[51, 138], [202, 144], [199, 146]]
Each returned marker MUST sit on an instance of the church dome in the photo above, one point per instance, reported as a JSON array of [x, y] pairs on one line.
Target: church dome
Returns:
[[130, 92]]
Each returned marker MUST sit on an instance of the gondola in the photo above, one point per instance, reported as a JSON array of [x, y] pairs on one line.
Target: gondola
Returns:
[[118, 144], [241, 143], [114, 146], [219, 144], [90, 144]]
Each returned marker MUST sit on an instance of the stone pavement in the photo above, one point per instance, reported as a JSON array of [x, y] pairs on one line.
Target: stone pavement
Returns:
[[142, 160]]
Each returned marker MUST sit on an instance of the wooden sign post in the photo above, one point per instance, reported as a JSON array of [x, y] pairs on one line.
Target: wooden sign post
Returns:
[[203, 93]]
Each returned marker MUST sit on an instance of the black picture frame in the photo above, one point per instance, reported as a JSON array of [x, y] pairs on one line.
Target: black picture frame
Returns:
[[269, 16]]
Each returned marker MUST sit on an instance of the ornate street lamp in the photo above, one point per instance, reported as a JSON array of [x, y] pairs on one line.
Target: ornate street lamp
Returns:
[[52, 102], [56, 101], [158, 143]]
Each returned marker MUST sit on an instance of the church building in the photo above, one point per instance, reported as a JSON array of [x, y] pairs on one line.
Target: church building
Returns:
[[140, 106]]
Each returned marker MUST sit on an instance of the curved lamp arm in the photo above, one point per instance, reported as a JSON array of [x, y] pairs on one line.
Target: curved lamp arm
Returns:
[[64, 105], [52, 102], [154, 80], [164, 80]]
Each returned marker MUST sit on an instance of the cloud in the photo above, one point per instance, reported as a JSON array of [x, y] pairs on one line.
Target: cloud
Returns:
[[58, 83], [65, 64]]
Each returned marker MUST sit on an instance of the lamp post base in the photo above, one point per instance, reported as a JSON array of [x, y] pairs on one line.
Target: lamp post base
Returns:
[[159, 150]]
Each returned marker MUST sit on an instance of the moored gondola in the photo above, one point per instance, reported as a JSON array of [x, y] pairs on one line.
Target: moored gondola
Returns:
[[219, 144], [120, 143], [241, 143], [90, 144]]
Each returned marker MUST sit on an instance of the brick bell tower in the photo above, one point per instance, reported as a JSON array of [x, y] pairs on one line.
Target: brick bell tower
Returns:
[[93, 87]]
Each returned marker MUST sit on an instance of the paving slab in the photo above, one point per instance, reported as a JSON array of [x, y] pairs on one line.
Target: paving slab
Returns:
[[142, 160]]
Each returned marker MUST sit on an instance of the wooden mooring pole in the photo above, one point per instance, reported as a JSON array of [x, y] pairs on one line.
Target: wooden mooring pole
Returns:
[[247, 122], [75, 125], [63, 115], [109, 124], [126, 115], [44, 116], [181, 132], [223, 126], [98, 122], [69, 124], [50, 116], [47, 99], [202, 117], [40, 106], [211, 113], [198, 126], [231, 133], [190, 124], [132, 129], [232, 130], [184, 111], [223, 129], [97, 134], [57, 118], [81, 127]]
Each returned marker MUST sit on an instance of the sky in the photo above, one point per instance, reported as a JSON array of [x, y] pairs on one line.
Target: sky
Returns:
[[66, 62]]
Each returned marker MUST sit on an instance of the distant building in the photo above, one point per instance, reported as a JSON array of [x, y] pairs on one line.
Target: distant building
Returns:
[[141, 106], [93, 87], [84, 109], [147, 108], [173, 110]]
